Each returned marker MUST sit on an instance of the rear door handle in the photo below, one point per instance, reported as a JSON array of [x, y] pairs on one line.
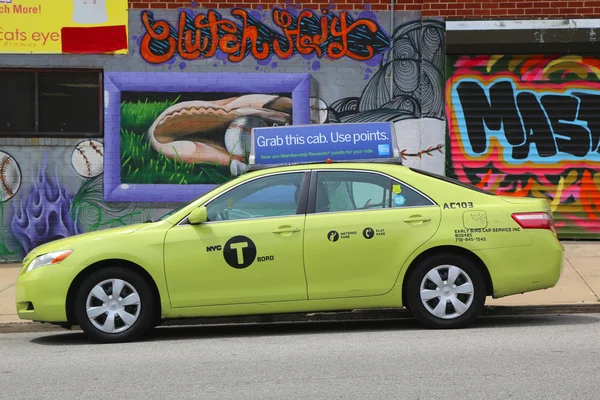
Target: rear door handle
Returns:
[[417, 218], [286, 230]]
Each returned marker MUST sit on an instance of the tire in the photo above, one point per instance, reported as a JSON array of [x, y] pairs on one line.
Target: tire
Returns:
[[469, 303], [132, 316]]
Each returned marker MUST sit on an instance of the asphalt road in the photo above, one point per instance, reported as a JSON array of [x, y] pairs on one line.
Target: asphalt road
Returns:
[[530, 357]]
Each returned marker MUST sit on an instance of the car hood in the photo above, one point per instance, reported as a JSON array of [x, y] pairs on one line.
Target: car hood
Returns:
[[68, 242]]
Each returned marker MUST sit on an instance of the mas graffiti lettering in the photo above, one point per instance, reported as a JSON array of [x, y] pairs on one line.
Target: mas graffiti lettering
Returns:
[[528, 126], [202, 36], [556, 122]]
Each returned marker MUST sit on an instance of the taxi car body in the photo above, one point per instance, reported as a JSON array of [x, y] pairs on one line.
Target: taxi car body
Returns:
[[300, 238]]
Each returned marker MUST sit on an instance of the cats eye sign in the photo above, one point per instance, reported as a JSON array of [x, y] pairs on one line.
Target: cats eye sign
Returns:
[[64, 26]]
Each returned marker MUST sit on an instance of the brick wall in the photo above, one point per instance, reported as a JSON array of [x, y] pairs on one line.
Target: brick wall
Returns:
[[375, 5], [489, 9], [451, 9]]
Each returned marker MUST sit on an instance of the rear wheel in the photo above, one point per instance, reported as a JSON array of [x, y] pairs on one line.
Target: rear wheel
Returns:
[[446, 291], [114, 305]]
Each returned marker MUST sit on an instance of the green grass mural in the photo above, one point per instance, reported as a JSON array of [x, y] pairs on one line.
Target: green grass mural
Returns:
[[141, 163], [10, 249]]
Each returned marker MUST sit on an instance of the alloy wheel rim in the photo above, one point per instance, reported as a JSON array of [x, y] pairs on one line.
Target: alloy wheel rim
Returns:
[[113, 306], [447, 292]]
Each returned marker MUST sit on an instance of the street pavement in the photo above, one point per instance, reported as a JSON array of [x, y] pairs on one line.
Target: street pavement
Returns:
[[579, 284], [525, 357]]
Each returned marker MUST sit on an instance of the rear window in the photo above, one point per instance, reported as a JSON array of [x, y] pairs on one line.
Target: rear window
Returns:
[[452, 181]]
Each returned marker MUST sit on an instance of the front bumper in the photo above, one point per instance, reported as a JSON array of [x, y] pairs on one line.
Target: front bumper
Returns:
[[41, 294]]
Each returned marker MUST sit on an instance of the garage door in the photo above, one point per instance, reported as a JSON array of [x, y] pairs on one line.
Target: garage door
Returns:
[[529, 126]]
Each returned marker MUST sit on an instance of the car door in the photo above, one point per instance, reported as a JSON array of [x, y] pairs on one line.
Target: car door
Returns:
[[361, 226], [249, 250]]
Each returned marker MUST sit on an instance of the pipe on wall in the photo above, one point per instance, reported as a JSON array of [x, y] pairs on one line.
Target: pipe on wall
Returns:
[[391, 69]]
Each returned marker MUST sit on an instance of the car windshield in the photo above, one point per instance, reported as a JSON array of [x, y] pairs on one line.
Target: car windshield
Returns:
[[167, 215], [175, 210], [452, 181]]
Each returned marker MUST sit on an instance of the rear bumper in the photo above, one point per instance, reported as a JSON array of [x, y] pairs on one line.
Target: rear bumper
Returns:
[[516, 270], [41, 294]]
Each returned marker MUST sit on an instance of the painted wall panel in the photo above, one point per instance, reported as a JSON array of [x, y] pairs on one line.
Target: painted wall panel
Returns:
[[529, 125]]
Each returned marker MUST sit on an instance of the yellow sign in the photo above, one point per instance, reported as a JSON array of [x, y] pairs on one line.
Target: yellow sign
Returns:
[[396, 189], [63, 26]]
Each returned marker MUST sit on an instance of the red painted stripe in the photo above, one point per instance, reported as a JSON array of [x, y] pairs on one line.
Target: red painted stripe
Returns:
[[95, 40]]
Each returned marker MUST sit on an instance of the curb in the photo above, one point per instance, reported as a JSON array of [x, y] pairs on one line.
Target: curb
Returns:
[[341, 316], [586, 308]]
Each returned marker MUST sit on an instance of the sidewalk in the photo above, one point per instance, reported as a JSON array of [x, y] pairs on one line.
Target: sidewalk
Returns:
[[579, 284]]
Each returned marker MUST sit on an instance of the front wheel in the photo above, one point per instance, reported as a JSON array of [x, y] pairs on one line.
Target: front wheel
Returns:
[[446, 291], [114, 305]]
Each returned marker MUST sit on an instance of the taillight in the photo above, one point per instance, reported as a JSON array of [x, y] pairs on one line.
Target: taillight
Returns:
[[535, 220]]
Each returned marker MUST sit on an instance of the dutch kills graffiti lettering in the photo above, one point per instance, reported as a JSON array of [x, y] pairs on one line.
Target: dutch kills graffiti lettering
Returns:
[[330, 35]]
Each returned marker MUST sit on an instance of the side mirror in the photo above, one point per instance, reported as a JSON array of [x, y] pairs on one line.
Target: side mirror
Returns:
[[198, 216]]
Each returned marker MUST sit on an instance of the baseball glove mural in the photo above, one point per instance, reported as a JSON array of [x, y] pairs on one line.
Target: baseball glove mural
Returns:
[[195, 138]]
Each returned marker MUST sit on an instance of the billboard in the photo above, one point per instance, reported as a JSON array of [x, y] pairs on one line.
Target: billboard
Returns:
[[315, 142], [63, 26]]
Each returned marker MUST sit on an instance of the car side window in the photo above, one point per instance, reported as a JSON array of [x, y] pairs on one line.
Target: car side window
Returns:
[[269, 196], [349, 191], [405, 196]]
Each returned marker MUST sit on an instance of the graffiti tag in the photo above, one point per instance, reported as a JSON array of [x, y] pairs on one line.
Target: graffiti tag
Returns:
[[528, 125], [557, 124], [331, 35]]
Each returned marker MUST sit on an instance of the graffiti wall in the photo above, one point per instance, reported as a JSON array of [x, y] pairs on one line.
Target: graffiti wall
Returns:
[[529, 126], [56, 193], [179, 107], [283, 34], [406, 89]]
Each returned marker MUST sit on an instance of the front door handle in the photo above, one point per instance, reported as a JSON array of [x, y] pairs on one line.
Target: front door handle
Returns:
[[417, 218], [287, 229]]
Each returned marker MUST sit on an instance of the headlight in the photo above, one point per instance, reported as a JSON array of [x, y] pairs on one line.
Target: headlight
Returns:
[[48, 259]]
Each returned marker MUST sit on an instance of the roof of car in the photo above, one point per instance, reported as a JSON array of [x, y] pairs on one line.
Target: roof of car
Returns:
[[394, 161]]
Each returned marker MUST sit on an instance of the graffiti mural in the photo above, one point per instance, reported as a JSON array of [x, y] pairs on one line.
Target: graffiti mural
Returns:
[[414, 100], [88, 158], [529, 126], [44, 214], [203, 35], [10, 176], [46, 211], [170, 136], [10, 183], [193, 138], [10, 248], [173, 136]]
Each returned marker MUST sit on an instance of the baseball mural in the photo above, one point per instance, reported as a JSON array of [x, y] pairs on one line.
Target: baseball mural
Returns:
[[193, 138], [10, 176], [88, 158]]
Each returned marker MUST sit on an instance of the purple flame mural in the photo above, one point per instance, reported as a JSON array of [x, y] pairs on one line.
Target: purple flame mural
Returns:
[[45, 214]]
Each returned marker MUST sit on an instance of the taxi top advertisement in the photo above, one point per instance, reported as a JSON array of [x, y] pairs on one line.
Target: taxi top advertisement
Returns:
[[63, 26], [310, 143]]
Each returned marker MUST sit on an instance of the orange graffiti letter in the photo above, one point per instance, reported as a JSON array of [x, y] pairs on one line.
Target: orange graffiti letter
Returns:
[[249, 33], [336, 50], [213, 25], [187, 49], [306, 44], [229, 43], [152, 34], [284, 20]]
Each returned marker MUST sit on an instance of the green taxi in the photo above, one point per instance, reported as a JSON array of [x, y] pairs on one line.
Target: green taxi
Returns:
[[306, 237]]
